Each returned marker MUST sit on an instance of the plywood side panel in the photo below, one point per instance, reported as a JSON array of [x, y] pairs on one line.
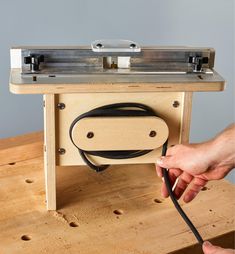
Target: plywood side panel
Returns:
[[49, 151], [186, 117], [76, 104]]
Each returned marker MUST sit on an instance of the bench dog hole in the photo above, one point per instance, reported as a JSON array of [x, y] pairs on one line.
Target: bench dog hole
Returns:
[[73, 224], [156, 200], [11, 163], [118, 212], [25, 238], [29, 181]]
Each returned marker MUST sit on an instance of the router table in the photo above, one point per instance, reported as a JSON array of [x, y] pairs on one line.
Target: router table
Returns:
[[77, 80]]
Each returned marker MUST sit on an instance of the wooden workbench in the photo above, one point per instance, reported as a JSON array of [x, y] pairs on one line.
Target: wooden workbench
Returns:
[[118, 211]]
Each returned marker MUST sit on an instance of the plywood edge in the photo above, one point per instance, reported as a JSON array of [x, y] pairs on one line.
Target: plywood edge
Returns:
[[17, 86], [15, 89], [186, 117], [49, 150], [22, 147], [119, 87]]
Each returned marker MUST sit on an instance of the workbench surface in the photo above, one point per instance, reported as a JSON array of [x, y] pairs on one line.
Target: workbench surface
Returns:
[[118, 211]]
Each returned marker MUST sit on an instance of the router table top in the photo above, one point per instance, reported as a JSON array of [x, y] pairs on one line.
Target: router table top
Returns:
[[120, 66], [105, 83], [118, 211]]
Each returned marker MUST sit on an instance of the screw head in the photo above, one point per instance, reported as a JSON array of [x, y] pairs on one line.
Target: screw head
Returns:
[[175, 104], [61, 151], [132, 45], [152, 134], [61, 106], [99, 45], [90, 134]]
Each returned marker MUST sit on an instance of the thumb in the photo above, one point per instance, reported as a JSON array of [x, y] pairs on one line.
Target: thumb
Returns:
[[208, 248], [167, 162]]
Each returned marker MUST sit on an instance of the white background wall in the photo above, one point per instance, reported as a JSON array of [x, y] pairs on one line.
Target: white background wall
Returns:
[[208, 23]]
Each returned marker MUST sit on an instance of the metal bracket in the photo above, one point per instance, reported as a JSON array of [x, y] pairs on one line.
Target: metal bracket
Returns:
[[115, 46]]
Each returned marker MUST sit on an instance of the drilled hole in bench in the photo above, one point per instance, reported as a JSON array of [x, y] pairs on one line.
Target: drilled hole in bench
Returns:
[[118, 212], [11, 163], [73, 224], [156, 200], [204, 188], [29, 181], [25, 238]]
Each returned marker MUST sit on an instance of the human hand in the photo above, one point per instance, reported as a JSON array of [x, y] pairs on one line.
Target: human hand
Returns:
[[188, 164], [194, 165], [208, 248]]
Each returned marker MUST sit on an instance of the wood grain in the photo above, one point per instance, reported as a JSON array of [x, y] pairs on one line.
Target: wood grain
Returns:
[[120, 133], [186, 117], [20, 85], [11, 149], [77, 104], [118, 211], [49, 150]]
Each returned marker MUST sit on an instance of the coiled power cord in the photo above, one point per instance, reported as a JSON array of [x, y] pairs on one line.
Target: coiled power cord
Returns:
[[128, 110], [112, 110]]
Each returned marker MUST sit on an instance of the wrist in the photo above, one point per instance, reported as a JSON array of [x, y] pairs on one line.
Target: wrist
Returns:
[[209, 153], [222, 151]]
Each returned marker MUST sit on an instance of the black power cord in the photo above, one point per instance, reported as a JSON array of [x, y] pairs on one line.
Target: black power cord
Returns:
[[175, 202], [112, 110], [128, 110]]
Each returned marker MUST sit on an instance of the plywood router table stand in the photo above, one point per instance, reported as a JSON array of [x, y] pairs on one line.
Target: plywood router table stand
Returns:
[[77, 80]]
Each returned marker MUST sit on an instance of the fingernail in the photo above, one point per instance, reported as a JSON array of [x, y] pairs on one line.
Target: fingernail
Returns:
[[207, 244], [164, 195], [159, 162], [188, 198]]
